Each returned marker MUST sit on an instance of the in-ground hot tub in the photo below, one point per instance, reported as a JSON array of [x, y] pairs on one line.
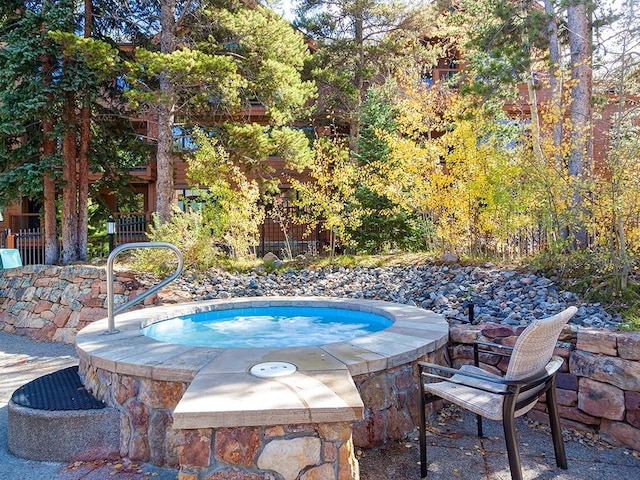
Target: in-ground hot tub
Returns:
[[272, 326], [226, 411]]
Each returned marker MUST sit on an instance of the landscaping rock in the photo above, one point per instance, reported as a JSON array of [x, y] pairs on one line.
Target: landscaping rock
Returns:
[[499, 296]]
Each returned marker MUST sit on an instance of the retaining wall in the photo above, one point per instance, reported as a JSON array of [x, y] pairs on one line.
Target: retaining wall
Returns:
[[598, 386], [53, 303]]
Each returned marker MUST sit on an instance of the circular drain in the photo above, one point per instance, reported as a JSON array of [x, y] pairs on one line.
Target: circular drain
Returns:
[[272, 369]]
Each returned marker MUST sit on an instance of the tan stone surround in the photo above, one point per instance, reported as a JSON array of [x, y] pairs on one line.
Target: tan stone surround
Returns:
[[178, 401]]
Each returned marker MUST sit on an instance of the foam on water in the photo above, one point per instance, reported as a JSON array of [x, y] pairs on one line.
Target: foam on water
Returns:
[[265, 327]]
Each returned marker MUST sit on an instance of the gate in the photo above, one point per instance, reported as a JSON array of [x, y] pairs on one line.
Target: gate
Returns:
[[131, 228], [30, 244]]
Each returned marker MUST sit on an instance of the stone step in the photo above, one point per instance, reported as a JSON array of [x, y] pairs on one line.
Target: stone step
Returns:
[[53, 418]]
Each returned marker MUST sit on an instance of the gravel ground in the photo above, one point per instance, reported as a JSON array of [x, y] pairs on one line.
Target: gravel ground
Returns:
[[455, 452], [499, 295]]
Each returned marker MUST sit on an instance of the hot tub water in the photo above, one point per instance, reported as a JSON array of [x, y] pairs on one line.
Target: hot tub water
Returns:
[[266, 327]]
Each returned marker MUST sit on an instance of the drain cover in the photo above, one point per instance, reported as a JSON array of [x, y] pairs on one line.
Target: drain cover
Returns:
[[272, 369]]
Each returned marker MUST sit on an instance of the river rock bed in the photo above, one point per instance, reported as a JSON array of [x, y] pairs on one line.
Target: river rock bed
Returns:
[[498, 295]]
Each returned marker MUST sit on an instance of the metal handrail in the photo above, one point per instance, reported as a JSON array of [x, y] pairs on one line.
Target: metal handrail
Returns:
[[138, 298]]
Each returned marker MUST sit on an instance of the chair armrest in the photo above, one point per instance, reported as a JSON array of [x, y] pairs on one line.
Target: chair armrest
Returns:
[[493, 345], [486, 347], [528, 382], [454, 371], [494, 380]]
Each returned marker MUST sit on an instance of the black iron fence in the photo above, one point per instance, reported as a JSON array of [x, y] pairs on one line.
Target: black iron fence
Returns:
[[28, 241], [131, 227], [30, 244]]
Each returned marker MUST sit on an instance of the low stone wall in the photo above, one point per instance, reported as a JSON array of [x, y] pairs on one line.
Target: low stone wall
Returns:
[[598, 387], [146, 405], [53, 303], [146, 408], [391, 401], [306, 451]]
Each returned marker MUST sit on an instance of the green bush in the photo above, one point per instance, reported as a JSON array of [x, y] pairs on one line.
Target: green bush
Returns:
[[189, 233]]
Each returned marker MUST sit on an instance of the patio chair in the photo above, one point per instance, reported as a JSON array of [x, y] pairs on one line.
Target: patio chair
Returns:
[[531, 372]]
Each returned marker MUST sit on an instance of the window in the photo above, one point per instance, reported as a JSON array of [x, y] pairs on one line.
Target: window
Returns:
[[187, 198]]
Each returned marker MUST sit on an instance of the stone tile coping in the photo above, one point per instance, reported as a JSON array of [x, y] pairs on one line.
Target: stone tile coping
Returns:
[[223, 393]]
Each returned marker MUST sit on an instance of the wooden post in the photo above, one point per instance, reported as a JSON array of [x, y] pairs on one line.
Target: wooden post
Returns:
[[11, 241]]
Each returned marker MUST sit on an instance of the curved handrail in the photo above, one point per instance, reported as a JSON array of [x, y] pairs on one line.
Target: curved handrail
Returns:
[[110, 261]]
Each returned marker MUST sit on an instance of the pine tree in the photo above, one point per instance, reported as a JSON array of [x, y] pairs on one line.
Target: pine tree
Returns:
[[216, 60], [48, 74]]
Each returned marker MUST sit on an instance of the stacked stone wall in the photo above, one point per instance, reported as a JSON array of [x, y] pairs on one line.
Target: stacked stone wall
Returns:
[[146, 407], [305, 451], [53, 303], [599, 384], [391, 403]]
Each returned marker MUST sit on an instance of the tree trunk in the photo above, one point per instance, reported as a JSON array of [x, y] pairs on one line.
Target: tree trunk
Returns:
[[358, 78], [555, 81], [580, 153], [166, 116], [83, 153], [51, 245], [70, 190], [535, 114], [83, 181], [535, 119]]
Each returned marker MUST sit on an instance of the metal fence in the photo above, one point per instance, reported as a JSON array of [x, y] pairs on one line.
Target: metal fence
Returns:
[[131, 227], [29, 242], [285, 237]]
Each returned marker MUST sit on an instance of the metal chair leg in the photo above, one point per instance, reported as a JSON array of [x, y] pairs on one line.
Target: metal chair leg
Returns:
[[513, 454], [423, 433], [479, 424], [556, 427]]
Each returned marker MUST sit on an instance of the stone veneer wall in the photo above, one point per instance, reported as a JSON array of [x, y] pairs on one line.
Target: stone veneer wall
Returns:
[[303, 452], [53, 303], [391, 402], [598, 386], [391, 413]]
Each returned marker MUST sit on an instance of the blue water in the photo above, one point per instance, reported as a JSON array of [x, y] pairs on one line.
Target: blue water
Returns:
[[264, 327]]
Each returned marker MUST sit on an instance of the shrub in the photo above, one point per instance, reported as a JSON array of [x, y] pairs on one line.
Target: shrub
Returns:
[[189, 233]]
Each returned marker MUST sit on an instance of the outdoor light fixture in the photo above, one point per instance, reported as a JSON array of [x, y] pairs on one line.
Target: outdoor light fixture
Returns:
[[111, 226], [111, 231]]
